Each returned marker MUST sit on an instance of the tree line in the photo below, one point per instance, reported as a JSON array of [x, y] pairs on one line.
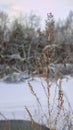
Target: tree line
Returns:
[[22, 40]]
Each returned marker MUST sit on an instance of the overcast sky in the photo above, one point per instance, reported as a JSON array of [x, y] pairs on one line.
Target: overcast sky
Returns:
[[60, 8]]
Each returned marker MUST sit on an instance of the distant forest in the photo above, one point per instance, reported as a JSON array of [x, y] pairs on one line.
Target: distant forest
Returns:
[[22, 40]]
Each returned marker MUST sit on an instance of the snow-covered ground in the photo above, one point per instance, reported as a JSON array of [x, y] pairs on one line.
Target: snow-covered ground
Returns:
[[15, 96]]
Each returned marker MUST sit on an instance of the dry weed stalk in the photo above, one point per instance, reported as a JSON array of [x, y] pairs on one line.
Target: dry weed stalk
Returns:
[[42, 68], [60, 103]]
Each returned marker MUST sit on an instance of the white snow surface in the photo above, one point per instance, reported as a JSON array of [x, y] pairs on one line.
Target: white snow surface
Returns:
[[15, 96]]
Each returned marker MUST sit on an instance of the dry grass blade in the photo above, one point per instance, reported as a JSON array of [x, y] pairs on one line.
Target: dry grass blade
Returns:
[[2, 115], [33, 92], [29, 113]]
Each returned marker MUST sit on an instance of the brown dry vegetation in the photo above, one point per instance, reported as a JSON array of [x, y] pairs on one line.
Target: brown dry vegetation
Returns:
[[57, 113]]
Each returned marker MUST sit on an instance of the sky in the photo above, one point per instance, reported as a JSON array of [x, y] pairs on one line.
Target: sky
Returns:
[[59, 8]]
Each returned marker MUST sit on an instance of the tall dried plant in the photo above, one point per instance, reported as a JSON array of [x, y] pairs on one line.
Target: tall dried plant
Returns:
[[43, 69]]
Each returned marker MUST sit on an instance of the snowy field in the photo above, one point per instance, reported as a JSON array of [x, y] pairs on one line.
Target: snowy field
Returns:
[[15, 96]]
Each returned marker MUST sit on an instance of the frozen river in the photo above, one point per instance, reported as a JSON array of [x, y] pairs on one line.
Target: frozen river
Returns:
[[15, 96]]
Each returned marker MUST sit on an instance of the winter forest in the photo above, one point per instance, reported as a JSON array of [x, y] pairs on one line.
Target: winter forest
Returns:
[[22, 40]]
